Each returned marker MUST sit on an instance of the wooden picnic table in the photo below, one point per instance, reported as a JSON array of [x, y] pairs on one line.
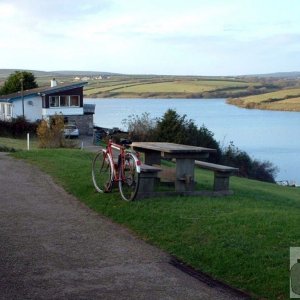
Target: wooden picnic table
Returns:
[[185, 160]]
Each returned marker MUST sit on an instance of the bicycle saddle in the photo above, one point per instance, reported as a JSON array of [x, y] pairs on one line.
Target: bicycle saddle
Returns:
[[125, 142]]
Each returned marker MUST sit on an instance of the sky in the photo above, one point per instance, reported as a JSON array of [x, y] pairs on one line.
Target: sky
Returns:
[[167, 37]]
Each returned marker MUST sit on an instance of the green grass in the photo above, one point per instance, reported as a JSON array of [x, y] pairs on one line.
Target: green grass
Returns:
[[286, 99], [282, 94], [18, 144], [242, 239], [167, 86], [181, 86]]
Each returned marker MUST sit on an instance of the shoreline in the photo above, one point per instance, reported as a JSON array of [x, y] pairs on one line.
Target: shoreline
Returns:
[[238, 102]]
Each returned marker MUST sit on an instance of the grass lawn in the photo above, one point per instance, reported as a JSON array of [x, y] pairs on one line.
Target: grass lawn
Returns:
[[243, 239], [18, 144]]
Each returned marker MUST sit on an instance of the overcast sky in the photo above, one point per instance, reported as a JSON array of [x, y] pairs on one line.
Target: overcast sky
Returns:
[[190, 37]]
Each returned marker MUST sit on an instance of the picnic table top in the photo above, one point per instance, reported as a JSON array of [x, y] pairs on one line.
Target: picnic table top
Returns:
[[170, 148]]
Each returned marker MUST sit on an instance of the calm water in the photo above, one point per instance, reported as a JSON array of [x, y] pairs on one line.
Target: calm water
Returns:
[[265, 135]]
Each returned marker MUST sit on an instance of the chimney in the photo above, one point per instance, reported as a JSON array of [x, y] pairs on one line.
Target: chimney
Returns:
[[53, 82]]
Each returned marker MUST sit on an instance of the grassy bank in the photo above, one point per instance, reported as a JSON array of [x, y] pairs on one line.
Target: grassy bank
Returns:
[[287, 100], [18, 144], [169, 87], [242, 239]]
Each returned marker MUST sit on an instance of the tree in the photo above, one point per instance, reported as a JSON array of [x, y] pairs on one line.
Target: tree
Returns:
[[13, 82], [177, 129], [171, 128], [140, 128], [248, 167]]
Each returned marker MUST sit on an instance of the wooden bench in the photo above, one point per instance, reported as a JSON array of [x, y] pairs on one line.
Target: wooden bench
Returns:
[[221, 174], [148, 176]]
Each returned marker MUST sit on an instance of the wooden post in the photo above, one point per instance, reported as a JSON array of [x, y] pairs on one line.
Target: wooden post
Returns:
[[184, 175], [28, 141]]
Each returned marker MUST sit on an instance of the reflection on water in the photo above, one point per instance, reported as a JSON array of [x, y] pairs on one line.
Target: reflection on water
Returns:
[[265, 135]]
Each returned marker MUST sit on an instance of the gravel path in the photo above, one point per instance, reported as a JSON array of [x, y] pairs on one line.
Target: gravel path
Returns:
[[53, 247]]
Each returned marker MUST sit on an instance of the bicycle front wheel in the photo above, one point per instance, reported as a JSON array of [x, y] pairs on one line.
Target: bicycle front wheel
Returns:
[[102, 172], [128, 178]]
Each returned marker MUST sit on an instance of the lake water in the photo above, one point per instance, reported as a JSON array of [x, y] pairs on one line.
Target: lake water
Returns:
[[265, 135]]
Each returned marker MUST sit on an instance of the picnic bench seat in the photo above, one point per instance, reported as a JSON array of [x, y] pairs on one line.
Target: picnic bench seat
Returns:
[[148, 176], [221, 174]]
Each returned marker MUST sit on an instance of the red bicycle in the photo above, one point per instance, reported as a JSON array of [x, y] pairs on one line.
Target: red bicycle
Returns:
[[124, 170]]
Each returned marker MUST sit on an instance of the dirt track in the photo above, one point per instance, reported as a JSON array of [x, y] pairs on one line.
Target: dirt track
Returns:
[[53, 247]]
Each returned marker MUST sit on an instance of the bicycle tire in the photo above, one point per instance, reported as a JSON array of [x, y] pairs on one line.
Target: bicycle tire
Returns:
[[102, 172], [129, 178]]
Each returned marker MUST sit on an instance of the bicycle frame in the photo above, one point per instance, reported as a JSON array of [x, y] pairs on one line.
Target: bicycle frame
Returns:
[[107, 172], [121, 159]]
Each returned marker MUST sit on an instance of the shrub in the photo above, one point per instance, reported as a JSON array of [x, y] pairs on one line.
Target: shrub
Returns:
[[174, 128], [43, 133], [140, 128], [17, 127], [51, 135], [248, 167], [6, 149], [171, 128]]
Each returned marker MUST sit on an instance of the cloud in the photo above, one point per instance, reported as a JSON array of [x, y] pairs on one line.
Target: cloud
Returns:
[[139, 35], [58, 10]]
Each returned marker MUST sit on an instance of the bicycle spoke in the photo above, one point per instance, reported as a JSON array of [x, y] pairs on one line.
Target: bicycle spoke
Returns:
[[128, 178], [102, 172]]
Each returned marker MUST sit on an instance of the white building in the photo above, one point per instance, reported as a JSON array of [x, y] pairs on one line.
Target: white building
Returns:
[[66, 99], [44, 102]]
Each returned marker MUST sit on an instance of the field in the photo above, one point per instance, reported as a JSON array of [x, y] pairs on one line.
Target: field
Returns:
[[165, 87], [286, 99], [243, 92], [243, 239], [261, 92]]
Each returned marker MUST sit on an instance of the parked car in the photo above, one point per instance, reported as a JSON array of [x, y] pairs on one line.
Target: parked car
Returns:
[[71, 130]]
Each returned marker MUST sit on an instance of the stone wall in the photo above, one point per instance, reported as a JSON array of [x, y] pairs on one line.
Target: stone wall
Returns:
[[84, 123]]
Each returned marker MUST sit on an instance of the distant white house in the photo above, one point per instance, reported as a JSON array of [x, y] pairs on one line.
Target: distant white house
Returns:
[[44, 102]]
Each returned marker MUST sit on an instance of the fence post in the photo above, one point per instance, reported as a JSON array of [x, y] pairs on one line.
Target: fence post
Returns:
[[28, 141]]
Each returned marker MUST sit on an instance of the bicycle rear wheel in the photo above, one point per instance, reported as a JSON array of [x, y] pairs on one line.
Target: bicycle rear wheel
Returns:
[[102, 172], [128, 178]]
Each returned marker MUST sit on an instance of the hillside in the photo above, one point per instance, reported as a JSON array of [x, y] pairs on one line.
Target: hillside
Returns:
[[6, 72], [278, 75], [242, 239], [236, 89], [283, 100]]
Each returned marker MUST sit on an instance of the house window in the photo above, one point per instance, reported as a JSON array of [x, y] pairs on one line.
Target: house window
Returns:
[[2, 111], [54, 101], [64, 101], [8, 110], [74, 100]]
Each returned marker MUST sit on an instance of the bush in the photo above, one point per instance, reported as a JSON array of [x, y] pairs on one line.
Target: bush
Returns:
[[17, 128], [6, 149], [51, 135], [248, 167], [171, 128], [174, 128], [140, 128]]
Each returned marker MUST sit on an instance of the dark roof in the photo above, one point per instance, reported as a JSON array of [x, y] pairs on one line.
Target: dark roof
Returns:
[[42, 91], [89, 109]]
